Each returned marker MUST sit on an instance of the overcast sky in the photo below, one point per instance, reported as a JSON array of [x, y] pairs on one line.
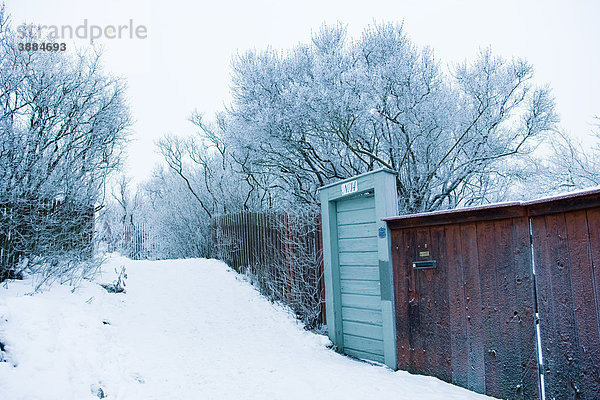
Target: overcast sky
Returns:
[[184, 62]]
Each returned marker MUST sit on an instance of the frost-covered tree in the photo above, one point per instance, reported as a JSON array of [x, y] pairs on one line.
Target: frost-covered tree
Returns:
[[214, 176], [203, 178], [335, 107], [121, 224], [571, 165], [181, 227], [63, 123]]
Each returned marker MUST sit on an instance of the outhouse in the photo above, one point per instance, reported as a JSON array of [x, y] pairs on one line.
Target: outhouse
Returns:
[[358, 268]]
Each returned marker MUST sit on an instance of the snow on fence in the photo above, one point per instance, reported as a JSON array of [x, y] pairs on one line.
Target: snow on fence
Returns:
[[281, 253]]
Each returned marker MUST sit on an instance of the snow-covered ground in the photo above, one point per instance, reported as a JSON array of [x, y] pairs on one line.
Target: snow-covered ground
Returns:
[[185, 330]]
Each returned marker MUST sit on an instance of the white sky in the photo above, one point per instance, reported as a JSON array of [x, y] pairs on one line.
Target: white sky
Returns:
[[184, 63]]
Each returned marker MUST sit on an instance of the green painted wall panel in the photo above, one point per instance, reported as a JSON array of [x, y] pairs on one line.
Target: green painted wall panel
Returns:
[[357, 231], [364, 258], [361, 287], [365, 344], [356, 273], [362, 315], [363, 330], [389, 333], [356, 203], [331, 272], [364, 355], [361, 244], [356, 217], [361, 301]]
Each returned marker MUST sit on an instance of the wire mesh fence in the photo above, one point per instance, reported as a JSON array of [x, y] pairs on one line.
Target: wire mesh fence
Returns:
[[281, 253]]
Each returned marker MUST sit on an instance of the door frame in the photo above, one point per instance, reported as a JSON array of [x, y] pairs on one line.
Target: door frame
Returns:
[[382, 183]]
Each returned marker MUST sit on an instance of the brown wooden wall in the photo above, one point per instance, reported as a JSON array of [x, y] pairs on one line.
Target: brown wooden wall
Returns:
[[567, 262], [471, 320]]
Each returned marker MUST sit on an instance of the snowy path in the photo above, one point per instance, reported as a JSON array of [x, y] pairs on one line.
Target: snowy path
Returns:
[[186, 329]]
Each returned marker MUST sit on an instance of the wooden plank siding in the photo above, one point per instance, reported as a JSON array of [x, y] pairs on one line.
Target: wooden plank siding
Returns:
[[472, 320], [461, 321], [567, 258]]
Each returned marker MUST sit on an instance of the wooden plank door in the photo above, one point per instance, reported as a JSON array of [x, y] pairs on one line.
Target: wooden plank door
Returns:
[[359, 278]]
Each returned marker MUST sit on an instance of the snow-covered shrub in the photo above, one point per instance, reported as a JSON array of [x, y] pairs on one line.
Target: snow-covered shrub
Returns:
[[44, 236], [63, 123], [118, 286]]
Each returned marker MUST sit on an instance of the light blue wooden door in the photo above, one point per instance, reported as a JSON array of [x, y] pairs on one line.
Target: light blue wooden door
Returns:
[[359, 277]]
